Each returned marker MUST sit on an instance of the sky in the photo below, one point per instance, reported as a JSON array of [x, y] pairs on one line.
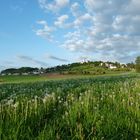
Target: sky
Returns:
[[45, 33]]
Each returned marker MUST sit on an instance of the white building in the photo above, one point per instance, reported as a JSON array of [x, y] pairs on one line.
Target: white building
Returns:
[[112, 66]]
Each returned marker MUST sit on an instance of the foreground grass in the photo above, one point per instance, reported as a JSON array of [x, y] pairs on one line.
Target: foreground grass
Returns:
[[88, 108]]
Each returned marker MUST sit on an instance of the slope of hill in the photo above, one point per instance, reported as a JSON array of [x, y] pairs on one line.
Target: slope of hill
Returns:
[[93, 68]]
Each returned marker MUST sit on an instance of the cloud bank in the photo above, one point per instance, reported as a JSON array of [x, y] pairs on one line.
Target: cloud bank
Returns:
[[107, 29]]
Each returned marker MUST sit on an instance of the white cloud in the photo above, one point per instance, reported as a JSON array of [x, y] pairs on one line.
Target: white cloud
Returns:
[[46, 31], [62, 3], [105, 6], [42, 22], [73, 41], [115, 47], [75, 9], [86, 18], [61, 21], [74, 45], [123, 24], [133, 7], [53, 6], [93, 5], [77, 23], [107, 28]]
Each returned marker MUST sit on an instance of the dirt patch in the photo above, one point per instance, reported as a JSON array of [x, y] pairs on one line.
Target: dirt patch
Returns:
[[57, 76]]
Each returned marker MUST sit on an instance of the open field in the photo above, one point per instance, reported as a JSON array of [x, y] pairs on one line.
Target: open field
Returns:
[[37, 78], [99, 108]]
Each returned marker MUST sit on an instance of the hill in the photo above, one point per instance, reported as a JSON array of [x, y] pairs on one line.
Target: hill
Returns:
[[90, 67], [86, 68]]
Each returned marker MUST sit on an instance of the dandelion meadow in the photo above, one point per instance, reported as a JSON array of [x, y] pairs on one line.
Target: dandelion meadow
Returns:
[[75, 109]]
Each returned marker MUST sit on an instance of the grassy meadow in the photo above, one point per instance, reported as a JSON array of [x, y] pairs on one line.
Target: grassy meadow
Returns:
[[86, 108], [55, 76]]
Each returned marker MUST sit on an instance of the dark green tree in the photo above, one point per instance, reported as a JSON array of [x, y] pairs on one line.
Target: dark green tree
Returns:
[[137, 64], [131, 65]]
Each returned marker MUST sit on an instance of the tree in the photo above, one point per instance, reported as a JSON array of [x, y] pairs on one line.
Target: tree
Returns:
[[137, 64], [131, 65]]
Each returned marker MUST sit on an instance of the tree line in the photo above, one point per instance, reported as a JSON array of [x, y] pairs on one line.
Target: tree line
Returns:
[[85, 67]]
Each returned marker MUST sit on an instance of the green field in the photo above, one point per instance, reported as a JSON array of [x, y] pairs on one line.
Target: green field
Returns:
[[37, 78], [82, 108], [19, 79]]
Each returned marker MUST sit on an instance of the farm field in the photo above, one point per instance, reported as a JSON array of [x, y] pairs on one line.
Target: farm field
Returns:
[[37, 78], [86, 108]]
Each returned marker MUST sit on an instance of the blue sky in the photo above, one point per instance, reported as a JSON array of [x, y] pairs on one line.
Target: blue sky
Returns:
[[44, 33]]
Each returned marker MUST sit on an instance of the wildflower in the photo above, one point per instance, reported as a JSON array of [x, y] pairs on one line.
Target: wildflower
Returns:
[[123, 100], [66, 103], [10, 101], [46, 94], [82, 103], [16, 104], [101, 98], [53, 94], [66, 113], [63, 117], [80, 98], [44, 100], [102, 117], [72, 98], [95, 108]]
